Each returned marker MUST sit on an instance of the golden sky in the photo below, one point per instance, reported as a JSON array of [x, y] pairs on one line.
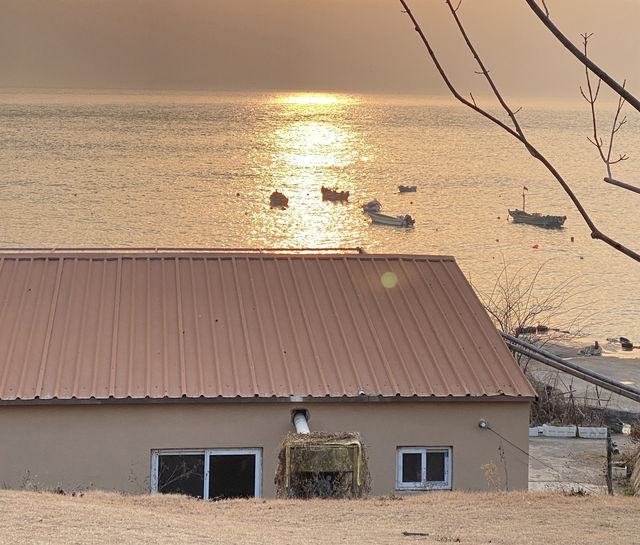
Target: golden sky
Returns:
[[332, 45]]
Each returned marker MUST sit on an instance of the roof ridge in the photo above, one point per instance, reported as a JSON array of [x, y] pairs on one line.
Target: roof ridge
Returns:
[[169, 252]]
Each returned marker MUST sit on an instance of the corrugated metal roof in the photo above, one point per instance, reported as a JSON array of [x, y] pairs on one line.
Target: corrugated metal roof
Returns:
[[197, 324]]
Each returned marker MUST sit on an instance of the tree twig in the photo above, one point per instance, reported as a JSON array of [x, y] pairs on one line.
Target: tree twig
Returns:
[[591, 97]]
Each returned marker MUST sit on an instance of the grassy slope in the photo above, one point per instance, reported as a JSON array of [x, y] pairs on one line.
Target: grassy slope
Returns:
[[505, 518]]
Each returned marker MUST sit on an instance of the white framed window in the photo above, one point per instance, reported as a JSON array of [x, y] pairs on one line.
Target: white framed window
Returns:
[[209, 474], [423, 468]]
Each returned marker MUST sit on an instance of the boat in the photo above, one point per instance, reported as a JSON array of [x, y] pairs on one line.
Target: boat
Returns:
[[626, 344], [541, 220], [594, 350], [278, 200], [407, 188], [520, 216], [329, 194], [372, 206], [396, 221]]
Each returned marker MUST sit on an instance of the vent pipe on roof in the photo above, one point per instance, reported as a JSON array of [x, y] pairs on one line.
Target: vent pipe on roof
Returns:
[[300, 418]]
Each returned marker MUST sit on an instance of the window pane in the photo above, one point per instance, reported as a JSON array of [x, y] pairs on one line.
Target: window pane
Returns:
[[232, 476], [181, 474], [411, 467], [435, 466]]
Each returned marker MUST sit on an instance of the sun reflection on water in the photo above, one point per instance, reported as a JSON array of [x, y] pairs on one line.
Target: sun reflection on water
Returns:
[[313, 144]]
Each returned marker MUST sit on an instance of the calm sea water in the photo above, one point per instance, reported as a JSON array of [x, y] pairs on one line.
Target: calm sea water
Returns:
[[195, 170]]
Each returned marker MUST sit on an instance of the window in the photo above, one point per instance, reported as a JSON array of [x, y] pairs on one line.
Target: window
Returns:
[[209, 473], [423, 468]]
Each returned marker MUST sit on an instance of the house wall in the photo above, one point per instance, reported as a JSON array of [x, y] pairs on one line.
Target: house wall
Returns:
[[108, 446]]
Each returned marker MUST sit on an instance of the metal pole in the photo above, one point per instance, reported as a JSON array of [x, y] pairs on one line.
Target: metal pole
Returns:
[[609, 451], [543, 356]]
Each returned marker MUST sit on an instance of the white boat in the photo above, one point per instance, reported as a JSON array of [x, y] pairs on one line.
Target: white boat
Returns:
[[396, 221], [372, 206]]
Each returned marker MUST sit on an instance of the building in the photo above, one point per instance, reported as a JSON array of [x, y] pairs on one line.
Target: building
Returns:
[[121, 368]]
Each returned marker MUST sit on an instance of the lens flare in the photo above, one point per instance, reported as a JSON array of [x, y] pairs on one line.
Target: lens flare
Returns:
[[389, 280]]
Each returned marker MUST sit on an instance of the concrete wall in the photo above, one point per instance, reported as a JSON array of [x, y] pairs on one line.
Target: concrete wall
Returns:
[[108, 446], [635, 476]]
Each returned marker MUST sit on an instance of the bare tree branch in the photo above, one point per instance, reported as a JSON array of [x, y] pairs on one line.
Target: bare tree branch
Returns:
[[622, 184], [517, 133], [591, 97], [484, 71], [614, 85], [546, 10]]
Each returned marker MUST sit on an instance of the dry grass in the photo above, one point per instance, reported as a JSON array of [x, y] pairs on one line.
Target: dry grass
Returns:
[[505, 518]]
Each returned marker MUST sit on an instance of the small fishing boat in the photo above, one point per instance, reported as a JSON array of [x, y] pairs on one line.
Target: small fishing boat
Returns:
[[541, 220], [395, 221], [520, 216], [626, 344], [407, 188], [372, 206], [278, 200], [329, 194]]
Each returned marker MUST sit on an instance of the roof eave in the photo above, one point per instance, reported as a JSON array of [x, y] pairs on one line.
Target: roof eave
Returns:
[[274, 399]]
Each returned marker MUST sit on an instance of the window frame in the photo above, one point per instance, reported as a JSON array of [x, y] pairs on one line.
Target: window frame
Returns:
[[424, 484], [207, 453]]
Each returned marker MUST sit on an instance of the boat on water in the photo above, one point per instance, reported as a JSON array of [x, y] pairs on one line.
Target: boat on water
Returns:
[[329, 194], [626, 344], [541, 220], [395, 221], [520, 216], [372, 206], [278, 200], [407, 188]]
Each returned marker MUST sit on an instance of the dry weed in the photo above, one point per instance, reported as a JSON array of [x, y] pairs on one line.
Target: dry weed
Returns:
[[508, 518]]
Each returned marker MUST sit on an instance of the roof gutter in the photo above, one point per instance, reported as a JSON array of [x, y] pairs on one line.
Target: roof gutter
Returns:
[[259, 400]]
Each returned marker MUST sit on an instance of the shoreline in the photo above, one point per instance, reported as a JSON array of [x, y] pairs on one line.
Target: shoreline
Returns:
[[620, 365], [568, 346]]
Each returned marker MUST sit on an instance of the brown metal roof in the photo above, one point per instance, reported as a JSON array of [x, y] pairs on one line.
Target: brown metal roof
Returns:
[[201, 324]]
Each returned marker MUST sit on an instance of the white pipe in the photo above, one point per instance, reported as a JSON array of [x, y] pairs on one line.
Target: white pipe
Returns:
[[300, 422]]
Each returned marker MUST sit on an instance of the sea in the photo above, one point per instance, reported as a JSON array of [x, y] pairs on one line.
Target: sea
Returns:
[[140, 169]]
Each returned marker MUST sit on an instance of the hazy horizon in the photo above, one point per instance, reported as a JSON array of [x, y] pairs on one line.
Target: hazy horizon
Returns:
[[360, 46]]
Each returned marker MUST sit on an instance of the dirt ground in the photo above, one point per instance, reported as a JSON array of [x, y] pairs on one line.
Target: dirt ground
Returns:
[[507, 518]]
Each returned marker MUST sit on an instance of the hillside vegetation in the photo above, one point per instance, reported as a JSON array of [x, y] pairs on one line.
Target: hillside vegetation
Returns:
[[517, 518]]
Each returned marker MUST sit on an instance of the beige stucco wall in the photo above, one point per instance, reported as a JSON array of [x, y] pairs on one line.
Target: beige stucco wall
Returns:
[[108, 446]]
